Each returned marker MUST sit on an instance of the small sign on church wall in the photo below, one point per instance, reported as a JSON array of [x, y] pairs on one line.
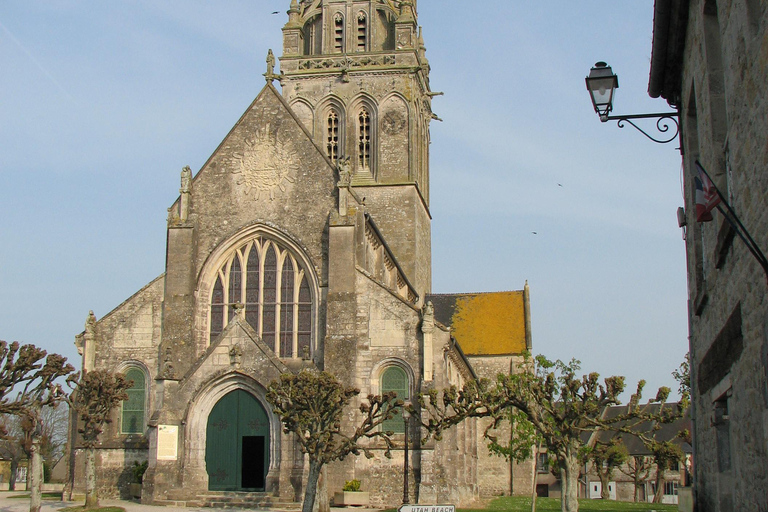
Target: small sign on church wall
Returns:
[[167, 442], [427, 508]]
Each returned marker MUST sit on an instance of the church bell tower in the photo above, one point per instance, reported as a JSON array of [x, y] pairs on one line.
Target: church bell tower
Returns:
[[355, 72]]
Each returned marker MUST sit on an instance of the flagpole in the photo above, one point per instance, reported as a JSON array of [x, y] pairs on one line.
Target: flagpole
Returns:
[[737, 225], [752, 249]]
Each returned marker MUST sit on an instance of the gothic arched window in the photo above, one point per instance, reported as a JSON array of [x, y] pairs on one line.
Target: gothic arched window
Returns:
[[364, 139], [338, 33], [132, 414], [362, 31], [394, 378], [332, 134], [313, 39], [269, 283]]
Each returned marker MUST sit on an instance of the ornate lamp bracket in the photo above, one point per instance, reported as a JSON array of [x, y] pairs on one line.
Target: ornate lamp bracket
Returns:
[[664, 122]]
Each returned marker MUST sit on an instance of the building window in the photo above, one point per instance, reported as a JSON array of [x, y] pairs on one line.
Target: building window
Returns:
[[313, 36], [395, 379], [268, 282], [542, 463], [364, 139], [332, 143], [338, 33], [132, 417], [670, 488], [362, 31]]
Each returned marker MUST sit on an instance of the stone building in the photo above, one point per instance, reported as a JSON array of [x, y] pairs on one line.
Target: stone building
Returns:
[[304, 241], [710, 60]]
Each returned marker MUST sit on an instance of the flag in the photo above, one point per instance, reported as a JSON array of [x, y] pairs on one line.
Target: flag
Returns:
[[707, 196]]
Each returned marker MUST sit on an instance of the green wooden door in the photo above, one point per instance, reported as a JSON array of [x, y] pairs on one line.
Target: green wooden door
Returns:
[[237, 444]]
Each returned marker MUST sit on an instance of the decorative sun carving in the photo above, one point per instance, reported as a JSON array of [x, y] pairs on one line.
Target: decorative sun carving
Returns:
[[265, 164]]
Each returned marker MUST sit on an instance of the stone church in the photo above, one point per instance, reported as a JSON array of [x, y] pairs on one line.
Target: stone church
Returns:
[[304, 241]]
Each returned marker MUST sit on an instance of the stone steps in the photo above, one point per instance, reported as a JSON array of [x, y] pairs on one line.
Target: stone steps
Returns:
[[258, 500]]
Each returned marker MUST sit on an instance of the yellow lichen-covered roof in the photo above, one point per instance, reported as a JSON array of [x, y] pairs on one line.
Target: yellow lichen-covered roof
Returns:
[[484, 323]]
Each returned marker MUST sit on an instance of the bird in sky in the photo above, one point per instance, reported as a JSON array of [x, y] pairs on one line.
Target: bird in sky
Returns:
[[275, 12], [534, 233], [559, 184]]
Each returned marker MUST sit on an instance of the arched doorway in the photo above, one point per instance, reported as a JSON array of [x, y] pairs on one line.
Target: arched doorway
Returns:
[[237, 444]]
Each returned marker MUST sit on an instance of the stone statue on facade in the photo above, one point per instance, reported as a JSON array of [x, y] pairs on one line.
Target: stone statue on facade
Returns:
[[345, 171], [270, 74]]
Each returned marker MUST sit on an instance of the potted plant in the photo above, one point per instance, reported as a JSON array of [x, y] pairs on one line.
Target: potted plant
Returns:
[[137, 470], [351, 495]]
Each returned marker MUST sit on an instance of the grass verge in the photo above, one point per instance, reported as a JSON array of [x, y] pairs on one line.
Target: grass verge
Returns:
[[521, 504], [81, 508]]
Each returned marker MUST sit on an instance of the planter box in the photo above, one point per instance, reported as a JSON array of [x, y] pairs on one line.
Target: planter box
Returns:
[[351, 499], [135, 490]]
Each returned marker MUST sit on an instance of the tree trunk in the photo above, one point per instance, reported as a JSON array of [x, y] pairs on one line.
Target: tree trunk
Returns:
[[14, 472], [311, 491], [34, 476], [637, 485], [322, 503], [569, 474], [604, 494], [91, 496], [659, 494], [534, 495]]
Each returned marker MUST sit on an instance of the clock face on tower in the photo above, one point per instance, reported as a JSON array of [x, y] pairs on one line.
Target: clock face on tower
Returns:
[[393, 122]]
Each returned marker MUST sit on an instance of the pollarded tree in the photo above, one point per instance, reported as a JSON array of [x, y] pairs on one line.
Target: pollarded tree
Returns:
[[35, 377], [638, 468], [97, 393], [665, 454], [311, 405], [560, 405], [605, 458]]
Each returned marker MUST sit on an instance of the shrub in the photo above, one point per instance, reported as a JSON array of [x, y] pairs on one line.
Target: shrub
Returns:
[[351, 486]]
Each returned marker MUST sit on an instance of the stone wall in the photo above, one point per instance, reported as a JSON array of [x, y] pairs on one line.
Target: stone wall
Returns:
[[725, 119]]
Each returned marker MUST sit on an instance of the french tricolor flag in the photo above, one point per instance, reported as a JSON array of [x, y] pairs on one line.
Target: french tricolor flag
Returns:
[[707, 195]]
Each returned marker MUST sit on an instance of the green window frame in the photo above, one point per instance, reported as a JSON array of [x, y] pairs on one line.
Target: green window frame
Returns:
[[132, 414], [395, 379]]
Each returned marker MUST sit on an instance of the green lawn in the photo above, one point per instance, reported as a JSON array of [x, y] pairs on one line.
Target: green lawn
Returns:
[[46, 496], [553, 505]]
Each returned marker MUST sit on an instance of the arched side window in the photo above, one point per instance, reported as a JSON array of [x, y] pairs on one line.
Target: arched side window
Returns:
[[338, 33], [332, 135], [364, 139], [394, 378], [132, 414], [271, 285], [362, 31], [312, 33]]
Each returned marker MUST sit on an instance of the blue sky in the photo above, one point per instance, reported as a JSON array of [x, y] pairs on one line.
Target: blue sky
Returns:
[[103, 103]]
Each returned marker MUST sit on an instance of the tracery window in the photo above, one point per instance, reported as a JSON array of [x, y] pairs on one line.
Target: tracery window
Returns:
[[332, 143], [132, 414], [338, 33], [395, 379], [364, 139], [272, 287], [313, 36], [362, 31]]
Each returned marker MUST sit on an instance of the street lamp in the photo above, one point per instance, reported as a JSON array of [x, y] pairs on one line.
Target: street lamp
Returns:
[[602, 84], [406, 421]]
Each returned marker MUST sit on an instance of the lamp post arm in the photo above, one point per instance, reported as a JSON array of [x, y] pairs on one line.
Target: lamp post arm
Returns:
[[662, 124]]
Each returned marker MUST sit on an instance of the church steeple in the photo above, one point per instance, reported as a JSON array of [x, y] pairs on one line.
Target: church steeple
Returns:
[[355, 72]]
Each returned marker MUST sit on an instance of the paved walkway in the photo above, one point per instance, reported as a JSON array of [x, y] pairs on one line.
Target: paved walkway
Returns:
[[10, 504]]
